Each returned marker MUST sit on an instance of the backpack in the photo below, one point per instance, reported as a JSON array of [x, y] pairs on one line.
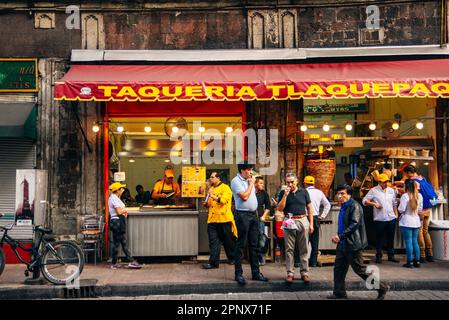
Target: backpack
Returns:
[[427, 192]]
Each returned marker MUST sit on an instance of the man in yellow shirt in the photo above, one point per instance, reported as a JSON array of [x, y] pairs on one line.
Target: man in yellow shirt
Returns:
[[221, 226]]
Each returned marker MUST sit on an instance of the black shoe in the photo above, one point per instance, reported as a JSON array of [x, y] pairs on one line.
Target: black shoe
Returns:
[[430, 259], [416, 264], [260, 277], [312, 264], [240, 280], [209, 266], [408, 265], [379, 259], [422, 260], [337, 297], [382, 293], [392, 259]]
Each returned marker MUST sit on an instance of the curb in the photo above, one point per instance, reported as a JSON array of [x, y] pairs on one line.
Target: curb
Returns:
[[143, 289]]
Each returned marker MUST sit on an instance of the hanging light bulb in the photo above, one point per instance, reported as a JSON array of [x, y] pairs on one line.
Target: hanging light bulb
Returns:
[[348, 127], [326, 127], [147, 129], [201, 129], [120, 128], [229, 129], [303, 128], [426, 163], [372, 126], [96, 128], [132, 160], [395, 125], [175, 129], [419, 125], [167, 160]]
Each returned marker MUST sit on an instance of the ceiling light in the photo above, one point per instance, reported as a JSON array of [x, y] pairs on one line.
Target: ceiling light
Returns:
[[175, 129], [96, 128], [228, 129], [201, 129], [147, 129], [326, 127], [426, 163], [348, 127], [395, 125], [419, 125], [372, 126], [132, 160], [303, 128], [167, 160], [120, 128]]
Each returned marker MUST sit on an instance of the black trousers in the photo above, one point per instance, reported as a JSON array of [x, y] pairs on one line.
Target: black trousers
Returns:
[[314, 241], [248, 232], [118, 228], [383, 227], [343, 260], [220, 233]]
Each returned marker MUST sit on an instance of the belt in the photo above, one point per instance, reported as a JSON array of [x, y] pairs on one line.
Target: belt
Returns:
[[299, 216]]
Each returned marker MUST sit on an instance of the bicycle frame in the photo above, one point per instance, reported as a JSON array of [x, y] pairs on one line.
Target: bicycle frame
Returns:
[[35, 260]]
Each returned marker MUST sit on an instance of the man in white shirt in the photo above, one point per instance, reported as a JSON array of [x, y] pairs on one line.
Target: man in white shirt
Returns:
[[318, 199], [385, 212]]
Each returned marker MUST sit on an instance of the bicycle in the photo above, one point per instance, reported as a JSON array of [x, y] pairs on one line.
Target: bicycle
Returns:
[[61, 262]]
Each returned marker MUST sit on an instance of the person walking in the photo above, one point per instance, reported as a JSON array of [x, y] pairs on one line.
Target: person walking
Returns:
[[263, 212], [318, 199], [295, 203], [247, 222], [410, 206], [117, 224], [351, 239], [427, 192], [221, 227], [383, 200]]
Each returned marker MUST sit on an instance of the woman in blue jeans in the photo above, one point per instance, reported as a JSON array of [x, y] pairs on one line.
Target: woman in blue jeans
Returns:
[[409, 208]]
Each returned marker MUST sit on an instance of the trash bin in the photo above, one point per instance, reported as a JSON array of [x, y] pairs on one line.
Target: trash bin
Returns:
[[439, 232]]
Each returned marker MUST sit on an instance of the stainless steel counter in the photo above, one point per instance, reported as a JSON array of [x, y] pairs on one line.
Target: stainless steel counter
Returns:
[[162, 232]]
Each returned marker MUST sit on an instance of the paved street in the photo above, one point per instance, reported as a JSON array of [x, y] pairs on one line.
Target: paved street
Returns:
[[317, 295]]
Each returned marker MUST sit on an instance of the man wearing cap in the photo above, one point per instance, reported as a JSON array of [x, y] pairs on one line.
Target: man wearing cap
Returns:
[[117, 224], [385, 212], [318, 199], [247, 222], [166, 189]]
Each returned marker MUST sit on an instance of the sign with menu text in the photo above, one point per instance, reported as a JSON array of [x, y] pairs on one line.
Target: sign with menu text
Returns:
[[193, 182]]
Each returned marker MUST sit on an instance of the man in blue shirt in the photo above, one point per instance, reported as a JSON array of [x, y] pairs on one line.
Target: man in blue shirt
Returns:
[[247, 222], [351, 240]]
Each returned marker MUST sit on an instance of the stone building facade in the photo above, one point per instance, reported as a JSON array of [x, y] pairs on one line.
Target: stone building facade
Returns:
[[72, 153]]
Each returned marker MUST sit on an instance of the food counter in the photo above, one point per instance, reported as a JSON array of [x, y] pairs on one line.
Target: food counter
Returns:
[[163, 231]]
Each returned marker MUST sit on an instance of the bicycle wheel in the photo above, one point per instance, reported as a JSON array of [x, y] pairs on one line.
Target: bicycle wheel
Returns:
[[2, 261], [63, 264]]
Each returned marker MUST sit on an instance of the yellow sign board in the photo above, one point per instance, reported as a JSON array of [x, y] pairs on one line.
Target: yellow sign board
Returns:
[[193, 182]]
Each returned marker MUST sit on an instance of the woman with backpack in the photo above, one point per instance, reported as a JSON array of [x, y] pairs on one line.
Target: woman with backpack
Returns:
[[428, 193], [410, 206]]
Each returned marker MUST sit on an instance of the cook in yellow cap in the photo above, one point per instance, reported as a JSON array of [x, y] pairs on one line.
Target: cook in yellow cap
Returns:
[[383, 178], [164, 190]]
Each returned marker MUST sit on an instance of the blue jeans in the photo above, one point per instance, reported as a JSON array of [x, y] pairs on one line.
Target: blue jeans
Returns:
[[410, 236]]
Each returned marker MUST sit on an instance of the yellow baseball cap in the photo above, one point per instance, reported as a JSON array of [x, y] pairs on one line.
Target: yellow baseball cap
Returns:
[[115, 186], [309, 180], [169, 173], [383, 177]]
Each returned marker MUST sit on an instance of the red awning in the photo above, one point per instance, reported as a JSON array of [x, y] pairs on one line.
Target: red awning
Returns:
[[412, 78]]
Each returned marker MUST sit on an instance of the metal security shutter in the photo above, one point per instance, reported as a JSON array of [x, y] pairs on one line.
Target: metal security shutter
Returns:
[[14, 154]]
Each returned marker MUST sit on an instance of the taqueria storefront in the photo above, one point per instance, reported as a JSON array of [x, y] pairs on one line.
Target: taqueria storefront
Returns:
[[354, 117]]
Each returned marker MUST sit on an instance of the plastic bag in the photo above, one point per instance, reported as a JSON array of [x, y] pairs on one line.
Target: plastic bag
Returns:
[[289, 224]]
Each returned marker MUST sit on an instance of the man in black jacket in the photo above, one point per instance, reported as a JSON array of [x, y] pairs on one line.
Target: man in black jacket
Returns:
[[351, 240]]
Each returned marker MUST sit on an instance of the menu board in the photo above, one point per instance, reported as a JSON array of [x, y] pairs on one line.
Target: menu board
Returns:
[[193, 182]]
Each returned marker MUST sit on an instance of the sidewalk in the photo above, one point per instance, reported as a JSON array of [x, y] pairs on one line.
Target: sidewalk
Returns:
[[188, 278]]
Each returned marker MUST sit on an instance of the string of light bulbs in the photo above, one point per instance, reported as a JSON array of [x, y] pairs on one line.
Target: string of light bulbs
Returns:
[[372, 125]]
